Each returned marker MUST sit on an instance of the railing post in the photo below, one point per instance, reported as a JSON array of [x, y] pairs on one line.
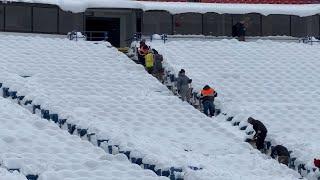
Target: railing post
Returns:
[[106, 37]]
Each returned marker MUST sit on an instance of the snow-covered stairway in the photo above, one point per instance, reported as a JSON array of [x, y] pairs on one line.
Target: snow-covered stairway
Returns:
[[104, 97], [296, 164], [271, 81]]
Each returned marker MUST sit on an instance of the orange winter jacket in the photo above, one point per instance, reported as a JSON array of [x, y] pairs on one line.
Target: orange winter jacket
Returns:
[[208, 94]]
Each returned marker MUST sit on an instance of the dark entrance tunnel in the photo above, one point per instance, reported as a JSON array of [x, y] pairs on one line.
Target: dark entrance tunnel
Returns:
[[99, 25]]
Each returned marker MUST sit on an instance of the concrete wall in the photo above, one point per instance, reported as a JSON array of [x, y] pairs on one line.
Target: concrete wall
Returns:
[[253, 20], [217, 24], [274, 25], [38, 18], [70, 21], [221, 24], [157, 22], [127, 21], [187, 23], [302, 26], [18, 18], [1, 18], [45, 19]]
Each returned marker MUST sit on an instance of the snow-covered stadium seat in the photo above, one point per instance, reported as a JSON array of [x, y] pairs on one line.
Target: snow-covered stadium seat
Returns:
[[7, 175], [41, 150], [99, 91]]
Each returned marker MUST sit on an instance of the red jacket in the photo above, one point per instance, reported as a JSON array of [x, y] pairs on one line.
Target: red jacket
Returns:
[[317, 162]]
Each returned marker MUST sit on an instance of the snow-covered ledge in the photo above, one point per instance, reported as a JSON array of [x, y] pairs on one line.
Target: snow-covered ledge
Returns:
[[77, 6]]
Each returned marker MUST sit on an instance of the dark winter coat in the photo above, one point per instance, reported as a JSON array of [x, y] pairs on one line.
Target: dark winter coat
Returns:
[[279, 150], [259, 126], [157, 67], [238, 30], [182, 81], [183, 86]]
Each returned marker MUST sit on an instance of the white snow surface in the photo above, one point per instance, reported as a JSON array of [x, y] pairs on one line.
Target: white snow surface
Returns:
[[6, 175], [38, 147], [183, 7], [99, 88], [277, 83]]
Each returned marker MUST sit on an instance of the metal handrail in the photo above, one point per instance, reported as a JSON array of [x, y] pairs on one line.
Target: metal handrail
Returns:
[[166, 37], [308, 39], [74, 35], [138, 36]]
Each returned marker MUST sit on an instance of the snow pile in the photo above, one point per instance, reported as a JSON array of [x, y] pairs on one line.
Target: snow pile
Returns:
[[37, 147], [274, 82], [6, 175], [101, 90], [183, 7]]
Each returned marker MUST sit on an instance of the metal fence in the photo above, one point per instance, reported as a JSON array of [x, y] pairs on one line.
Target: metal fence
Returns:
[[88, 35]]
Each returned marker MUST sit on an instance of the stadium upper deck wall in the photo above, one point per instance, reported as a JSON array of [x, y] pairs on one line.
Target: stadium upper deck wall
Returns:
[[44, 18], [38, 18], [214, 24]]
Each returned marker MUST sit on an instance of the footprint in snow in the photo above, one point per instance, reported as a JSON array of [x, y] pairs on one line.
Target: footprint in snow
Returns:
[[8, 139]]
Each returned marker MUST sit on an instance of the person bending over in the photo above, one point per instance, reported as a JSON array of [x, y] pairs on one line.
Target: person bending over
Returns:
[[282, 153], [261, 132]]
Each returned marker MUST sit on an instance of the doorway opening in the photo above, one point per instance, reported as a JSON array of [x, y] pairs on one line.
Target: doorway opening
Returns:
[[99, 27]]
